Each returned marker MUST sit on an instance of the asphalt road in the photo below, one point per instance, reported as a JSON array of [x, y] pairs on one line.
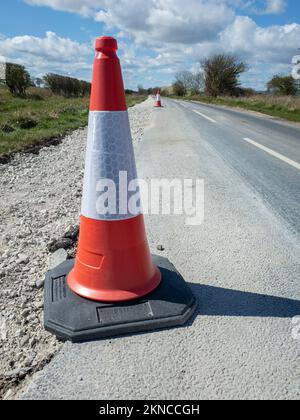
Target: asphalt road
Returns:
[[242, 263], [240, 139]]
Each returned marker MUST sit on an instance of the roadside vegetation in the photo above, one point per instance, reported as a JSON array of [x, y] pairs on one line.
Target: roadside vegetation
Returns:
[[38, 118], [287, 107], [32, 116], [134, 99], [218, 83]]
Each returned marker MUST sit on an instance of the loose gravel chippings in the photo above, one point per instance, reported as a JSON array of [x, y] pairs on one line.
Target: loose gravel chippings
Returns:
[[40, 207]]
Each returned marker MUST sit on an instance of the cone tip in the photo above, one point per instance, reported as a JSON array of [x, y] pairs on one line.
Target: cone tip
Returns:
[[106, 43]]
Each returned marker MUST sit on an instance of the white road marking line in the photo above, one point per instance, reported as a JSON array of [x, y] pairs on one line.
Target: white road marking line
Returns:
[[204, 116], [273, 153]]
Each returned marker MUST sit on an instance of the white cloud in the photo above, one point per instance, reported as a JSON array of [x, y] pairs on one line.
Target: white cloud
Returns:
[[153, 20], [113, 10], [82, 7], [50, 53], [168, 21], [274, 7], [161, 36], [260, 7], [274, 44]]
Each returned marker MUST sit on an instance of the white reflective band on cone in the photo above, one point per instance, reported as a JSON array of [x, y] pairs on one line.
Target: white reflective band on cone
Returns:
[[109, 152]]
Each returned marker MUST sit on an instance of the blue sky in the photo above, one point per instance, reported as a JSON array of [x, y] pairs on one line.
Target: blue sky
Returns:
[[157, 38]]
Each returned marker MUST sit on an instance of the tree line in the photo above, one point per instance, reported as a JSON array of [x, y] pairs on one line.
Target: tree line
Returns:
[[220, 76], [18, 80]]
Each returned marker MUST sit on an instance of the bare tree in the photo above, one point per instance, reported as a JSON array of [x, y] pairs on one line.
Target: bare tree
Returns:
[[183, 79], [197, 83], [222, 73], [179, 88], [187, 82]]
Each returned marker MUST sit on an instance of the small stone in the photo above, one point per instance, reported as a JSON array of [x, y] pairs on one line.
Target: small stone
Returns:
[[32, 342], [160, 248], [8, 394], [7, 238], [39, 305], [24, 303], [21, 235], [57, 258], [23, 259], [24, 341], [19, 333], [25, 313], [13, 373], [72, 232], [6, 254], [64, 243], [40, 283], [23, 373], [31, 318]]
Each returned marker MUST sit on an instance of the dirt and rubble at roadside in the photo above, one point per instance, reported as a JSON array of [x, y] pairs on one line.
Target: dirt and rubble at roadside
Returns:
[[40, 206]]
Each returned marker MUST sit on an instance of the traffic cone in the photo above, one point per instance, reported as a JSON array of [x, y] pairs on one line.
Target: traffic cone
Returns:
[[158, 100], [110, 246], [114, 285]]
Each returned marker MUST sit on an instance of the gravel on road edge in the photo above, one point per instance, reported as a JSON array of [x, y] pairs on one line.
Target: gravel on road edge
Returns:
[[40, 207]]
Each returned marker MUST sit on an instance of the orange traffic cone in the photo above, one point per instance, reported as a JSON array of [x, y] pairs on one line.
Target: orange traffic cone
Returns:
[[106, 266], [158, 100], [91, 296]]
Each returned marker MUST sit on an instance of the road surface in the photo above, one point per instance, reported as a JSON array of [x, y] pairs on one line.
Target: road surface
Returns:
[[239, 138], [242, 263]]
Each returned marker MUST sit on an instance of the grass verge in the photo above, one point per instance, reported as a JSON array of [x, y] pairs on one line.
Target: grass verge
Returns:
[[41, 118], [285, 107]]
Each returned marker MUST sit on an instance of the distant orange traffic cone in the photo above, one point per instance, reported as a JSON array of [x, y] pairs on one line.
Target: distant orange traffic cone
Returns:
[[158, 100], [114, 286]]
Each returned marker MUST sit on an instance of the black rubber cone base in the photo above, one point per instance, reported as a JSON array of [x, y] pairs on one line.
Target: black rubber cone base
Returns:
[[71, 317]]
